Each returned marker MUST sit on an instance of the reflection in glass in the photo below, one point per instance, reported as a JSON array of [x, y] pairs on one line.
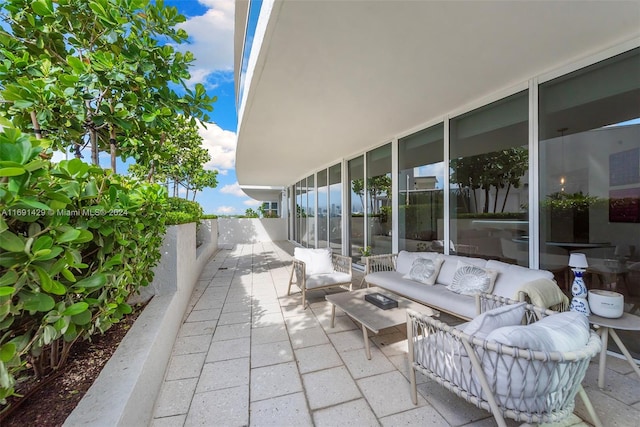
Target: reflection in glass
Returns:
[[378, 196], [335, 208], [311, 212], [421, 177], [590, 177], [322, 214], [489, 181], [356, 206]]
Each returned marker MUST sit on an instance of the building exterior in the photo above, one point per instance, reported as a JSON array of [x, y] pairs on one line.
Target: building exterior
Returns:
[[504, 130]]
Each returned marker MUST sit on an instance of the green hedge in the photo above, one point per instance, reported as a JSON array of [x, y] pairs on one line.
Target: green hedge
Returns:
[[75, 242], [182, 211]]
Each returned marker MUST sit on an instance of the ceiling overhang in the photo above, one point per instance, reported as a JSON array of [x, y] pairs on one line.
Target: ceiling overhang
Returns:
[[328, 80]]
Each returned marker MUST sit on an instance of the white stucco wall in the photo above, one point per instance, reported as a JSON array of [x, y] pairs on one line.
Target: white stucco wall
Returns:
[[251, 230]]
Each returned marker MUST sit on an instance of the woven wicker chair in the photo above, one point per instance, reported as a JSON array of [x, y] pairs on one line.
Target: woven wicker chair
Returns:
[[522, 384], [340, 277]]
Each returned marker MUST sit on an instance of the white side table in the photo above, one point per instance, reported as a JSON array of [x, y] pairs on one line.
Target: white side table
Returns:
[[606, 327]]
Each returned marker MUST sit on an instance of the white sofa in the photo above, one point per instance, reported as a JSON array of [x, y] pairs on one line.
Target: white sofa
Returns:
[[389, 272]]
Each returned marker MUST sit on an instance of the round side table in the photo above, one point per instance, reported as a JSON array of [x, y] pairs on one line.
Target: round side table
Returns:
[[606, 327]]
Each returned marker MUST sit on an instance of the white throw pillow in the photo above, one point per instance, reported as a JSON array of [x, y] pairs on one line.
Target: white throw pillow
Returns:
[[405, 259], [470, 279], [487, 322], [424, 270], [317, 261]]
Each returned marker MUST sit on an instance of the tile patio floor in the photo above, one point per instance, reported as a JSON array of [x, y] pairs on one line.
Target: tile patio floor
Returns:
[[247, 354]]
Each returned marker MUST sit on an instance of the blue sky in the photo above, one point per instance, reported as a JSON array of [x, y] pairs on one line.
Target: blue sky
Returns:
[[210, 25]]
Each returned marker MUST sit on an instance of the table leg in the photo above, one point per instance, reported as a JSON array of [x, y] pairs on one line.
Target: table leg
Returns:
[[365, 335], [333, 315], [624, 351], [604, 334]]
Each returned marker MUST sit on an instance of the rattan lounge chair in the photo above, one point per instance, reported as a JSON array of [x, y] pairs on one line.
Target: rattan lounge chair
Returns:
[[519, 383]]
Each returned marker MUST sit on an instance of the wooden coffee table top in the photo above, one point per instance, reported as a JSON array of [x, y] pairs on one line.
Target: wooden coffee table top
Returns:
[[372, 317]]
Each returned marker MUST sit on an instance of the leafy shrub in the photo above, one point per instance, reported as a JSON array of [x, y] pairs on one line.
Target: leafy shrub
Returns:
[[209, 216], [181, 211], [75, 242]]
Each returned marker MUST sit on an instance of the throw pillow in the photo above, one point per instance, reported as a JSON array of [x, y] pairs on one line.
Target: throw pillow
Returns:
[[566, 331], [471, 280], [317, 261], [424, 270], [487, 322]]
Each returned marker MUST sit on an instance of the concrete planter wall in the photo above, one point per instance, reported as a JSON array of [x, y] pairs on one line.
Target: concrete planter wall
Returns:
[[251, 230], [125, 391]]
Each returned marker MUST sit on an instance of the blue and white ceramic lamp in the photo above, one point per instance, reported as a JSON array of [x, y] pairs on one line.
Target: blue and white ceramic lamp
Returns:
[[578, 264]]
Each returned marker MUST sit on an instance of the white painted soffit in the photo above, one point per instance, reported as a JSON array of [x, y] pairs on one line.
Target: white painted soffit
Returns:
[[263, 193], [240, 22], [332, 78]]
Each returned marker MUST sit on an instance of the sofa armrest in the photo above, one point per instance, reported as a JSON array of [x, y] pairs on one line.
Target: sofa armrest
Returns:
[[342, 263], [384, 262]]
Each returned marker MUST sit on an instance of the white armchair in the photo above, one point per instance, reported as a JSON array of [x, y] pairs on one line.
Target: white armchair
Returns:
[[316, 269]]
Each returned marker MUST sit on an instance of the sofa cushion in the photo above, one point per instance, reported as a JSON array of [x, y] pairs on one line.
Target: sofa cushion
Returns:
[[436, 296], [472, 280], [424, 270], [567, 331], [321, 280], [511, 277], [317, 261], [450, 265], [405, 260], [487, 322]]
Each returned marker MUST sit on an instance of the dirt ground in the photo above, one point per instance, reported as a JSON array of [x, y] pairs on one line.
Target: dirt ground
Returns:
[[48, 401]]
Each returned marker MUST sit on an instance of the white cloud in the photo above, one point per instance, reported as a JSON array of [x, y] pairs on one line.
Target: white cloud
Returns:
[[221, 145], [226, 210], [252, 202], [211, 39], [233, 189]]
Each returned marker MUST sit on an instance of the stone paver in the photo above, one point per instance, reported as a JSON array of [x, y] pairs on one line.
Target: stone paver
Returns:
[[249, 355]]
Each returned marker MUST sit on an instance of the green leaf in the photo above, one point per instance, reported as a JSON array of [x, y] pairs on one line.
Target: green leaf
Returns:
[[10, 242], [68, 236], [43, 7], [42, 242], [77, 64], [38, 302], [6, 290], [82, 318], [75, 309], [12, 171], [68, 275], [48, 284], [7, 351], [9, 278], [49, 334], [95, 281], [124, 308]]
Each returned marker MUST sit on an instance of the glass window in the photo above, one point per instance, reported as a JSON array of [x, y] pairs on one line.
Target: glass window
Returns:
[[335, 207], [590, 176], [301, 212], [378, 190], [311, 212], [488, 181], [420, 183], [322, 214], [356, 206]]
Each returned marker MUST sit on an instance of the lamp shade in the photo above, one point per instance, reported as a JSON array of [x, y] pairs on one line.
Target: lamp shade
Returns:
[[578, 260]]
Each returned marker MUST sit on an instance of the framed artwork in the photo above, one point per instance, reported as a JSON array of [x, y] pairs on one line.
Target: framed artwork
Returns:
[[624, 205]]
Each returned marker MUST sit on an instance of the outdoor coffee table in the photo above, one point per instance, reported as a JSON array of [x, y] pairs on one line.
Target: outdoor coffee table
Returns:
[[371, 317]]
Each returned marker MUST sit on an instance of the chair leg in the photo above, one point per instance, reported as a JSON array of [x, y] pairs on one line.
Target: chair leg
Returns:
[[589, 406], [290, 281], [304, 298]]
